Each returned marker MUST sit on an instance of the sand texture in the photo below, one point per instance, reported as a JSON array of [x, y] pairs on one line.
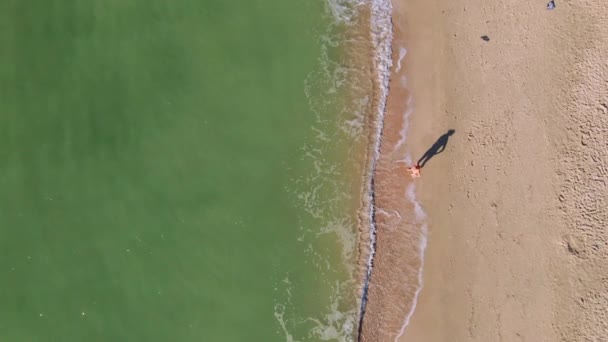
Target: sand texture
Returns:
[[517, 204]]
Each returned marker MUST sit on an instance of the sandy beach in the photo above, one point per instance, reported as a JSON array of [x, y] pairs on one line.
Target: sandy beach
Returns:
[[516, 203]]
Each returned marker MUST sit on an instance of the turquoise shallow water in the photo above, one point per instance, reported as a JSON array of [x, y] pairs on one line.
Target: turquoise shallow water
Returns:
[[159, 173]]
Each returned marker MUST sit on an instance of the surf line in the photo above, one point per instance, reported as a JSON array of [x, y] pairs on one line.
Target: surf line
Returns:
[[382, 40], [370, 261]]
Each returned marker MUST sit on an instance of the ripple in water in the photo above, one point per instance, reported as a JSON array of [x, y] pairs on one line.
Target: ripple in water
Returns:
[[341, 104]]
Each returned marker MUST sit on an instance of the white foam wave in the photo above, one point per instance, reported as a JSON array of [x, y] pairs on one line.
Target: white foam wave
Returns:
[[408, 317], [420, 216], [411, 196], [281, 308], [406, 123], [354, 124], [407, 160], [322, 191], [343, 11], [392, 213], [279, 315], [382, 38], [342, 228], [336, 325], [317, 192], [402, 53]]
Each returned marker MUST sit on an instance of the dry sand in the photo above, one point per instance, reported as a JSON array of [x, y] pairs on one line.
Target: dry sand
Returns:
[[517, 204]]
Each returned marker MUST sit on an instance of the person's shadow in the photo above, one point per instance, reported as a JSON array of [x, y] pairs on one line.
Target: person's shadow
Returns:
[[438, 147]]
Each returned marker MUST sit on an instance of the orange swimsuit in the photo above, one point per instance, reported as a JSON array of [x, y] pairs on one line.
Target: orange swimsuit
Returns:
[[414, 170]]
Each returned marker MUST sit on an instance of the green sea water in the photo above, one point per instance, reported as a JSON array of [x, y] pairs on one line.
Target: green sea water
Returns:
[[159, 173]]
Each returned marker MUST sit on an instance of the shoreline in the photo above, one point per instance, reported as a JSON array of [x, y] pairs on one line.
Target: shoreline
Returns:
[[381, 37], [398, 217]]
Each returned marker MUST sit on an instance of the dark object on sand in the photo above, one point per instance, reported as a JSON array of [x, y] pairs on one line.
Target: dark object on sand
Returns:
[[485, 38], [551, 5], [437, 148]]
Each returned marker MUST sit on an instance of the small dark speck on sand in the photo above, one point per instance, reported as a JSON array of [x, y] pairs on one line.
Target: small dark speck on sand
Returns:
[[551, 5], [485, 38]]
